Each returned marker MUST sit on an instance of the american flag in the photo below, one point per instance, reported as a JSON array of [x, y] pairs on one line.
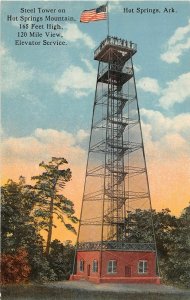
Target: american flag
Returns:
[[95, 14]]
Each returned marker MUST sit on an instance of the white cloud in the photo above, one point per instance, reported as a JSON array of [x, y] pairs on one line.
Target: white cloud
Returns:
[[76, 80], [82, 135], [113, 5], [44, 143], [162, 125], [3, 50], [2, 133], [167, 151], [88, 65], [22, 155], [179, 34], [47, 136], [137, 68], [177, 91], [177, 44], [72, 33], [15, 75], [148, 84]]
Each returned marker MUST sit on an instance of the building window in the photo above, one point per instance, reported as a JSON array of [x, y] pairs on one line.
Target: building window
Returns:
[[112, 266], [95, 266], [142, 267], [81, 265]]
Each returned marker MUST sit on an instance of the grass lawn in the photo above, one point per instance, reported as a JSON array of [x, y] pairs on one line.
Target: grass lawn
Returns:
[[45, 292]]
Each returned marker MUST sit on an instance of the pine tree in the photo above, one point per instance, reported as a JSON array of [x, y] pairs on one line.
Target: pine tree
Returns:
[[50, 201]]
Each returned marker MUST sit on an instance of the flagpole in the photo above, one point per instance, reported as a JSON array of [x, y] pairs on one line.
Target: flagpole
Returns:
[[108, 21]]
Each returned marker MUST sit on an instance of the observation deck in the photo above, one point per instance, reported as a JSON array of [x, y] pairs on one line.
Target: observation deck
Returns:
[[120, 48]]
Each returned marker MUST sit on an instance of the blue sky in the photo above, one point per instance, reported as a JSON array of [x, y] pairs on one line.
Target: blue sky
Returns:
[[48, 92]]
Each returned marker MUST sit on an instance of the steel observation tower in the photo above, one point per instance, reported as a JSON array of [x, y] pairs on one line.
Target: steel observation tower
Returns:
[[116, 241]]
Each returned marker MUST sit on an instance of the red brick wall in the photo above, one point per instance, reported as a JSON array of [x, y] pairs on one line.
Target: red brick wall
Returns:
[[123, 259], [131, 260], [88, 258]]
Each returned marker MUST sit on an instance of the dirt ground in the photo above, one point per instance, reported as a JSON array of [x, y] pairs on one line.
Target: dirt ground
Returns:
[[82, 290]]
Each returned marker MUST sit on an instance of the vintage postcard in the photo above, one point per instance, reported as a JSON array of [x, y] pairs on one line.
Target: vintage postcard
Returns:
[[95, 148]]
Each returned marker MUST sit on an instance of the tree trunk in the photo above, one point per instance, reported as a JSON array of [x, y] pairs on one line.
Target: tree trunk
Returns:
[[50, 228]]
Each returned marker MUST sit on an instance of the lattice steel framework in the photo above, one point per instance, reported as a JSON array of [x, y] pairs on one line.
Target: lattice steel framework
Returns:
[[116, 207]]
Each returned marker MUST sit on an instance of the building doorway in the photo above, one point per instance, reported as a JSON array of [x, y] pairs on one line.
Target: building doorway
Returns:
[[88, 270], [127, 271]]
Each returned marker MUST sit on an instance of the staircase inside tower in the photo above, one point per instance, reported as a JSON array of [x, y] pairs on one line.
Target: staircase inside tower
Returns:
[[116, 207]]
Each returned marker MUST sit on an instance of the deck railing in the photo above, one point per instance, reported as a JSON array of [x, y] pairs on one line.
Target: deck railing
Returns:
[[111, 40], [114, 245]]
